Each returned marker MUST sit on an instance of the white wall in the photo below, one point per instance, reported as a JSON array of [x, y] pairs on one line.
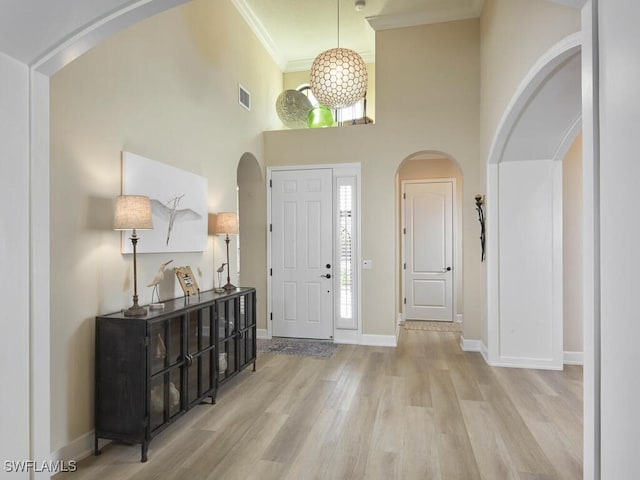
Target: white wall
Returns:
[[619, 233], [527, 192], [14, 262]]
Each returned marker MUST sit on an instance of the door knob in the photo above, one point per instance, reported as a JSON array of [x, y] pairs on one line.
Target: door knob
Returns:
[[448, 269], [328, 275]]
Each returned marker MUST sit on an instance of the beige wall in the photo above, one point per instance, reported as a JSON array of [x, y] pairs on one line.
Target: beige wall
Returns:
[[165, 89], [514, 35], [292, 80], [572, 247], [427, 99]]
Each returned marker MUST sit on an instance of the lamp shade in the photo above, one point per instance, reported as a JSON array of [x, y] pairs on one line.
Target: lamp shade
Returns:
[[132, 212], [338, 78], [226, 223]]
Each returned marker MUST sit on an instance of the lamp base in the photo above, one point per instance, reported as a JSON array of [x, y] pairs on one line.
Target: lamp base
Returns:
[[135, 311], [229, 286]]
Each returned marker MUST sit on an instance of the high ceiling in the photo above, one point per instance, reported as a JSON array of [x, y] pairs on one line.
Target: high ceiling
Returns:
[[293, 31]]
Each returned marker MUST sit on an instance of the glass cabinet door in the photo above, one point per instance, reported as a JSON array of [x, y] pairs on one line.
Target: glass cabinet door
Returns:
[[200, 350], [227, 358], [165, 344]]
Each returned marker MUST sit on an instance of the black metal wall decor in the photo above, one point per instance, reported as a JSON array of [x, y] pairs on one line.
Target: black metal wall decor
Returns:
[[479, 203]]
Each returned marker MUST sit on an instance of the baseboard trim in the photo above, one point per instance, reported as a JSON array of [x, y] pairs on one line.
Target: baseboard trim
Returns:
[[79, 449], [353, 337], [468, 345], [380, 340], [262, 333], [573, 358], [529, 363]]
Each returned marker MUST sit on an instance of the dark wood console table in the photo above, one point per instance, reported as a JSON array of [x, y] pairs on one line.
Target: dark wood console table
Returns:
[[150, 370]]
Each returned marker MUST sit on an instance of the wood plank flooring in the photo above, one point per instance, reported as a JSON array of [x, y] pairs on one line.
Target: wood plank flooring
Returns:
[[425, 410]]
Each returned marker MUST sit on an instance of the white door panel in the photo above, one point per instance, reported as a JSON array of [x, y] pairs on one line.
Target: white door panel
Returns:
[[429, 251], [302, 247]]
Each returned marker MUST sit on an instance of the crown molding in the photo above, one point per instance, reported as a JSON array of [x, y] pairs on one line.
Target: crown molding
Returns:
[[258, 28], [402, 20], [571, 3]]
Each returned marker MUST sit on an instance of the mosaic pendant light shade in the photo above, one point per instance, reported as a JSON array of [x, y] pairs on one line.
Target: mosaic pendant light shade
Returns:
[[293, 108], [338, 78]]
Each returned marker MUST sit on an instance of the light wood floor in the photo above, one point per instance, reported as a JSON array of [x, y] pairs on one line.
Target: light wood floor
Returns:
[[425, 410]]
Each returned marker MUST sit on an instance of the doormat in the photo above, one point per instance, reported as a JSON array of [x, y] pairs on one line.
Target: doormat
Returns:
[[297, 346], [432, 326]]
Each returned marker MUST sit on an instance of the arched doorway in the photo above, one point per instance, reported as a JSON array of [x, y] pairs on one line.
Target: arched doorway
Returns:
[[253, 228], [426, 171], [524, 201]]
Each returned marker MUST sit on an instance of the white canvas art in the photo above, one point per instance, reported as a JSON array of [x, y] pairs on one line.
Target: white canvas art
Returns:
[[178, 205]]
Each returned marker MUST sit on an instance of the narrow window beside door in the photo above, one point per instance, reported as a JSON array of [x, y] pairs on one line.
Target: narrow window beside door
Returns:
[[346, 238]]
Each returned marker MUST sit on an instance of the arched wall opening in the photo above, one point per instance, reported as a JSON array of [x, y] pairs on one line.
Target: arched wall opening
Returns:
[[526, 276], [420, 168], [253, 228]]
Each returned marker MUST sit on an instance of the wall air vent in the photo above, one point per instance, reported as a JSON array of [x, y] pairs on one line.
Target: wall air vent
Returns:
[[244, 97]]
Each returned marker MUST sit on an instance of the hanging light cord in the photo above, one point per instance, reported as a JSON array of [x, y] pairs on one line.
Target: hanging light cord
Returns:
[[338, 8]]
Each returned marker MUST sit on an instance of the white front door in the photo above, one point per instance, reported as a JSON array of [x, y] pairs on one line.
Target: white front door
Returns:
[[302, 253], [429, 251]]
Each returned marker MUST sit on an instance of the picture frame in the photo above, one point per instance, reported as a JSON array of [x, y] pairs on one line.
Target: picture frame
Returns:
[[178, 205], [187, 280]]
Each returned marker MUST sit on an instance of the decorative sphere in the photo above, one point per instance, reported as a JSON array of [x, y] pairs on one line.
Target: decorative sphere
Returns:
[[338, 78], [320, 117], [293, 108]]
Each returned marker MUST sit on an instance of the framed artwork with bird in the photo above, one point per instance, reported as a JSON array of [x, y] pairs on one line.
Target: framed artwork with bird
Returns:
[[178, 205]]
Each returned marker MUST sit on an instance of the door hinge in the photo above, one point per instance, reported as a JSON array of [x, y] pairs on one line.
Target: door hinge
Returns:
[[271, 316], [404, 230], [404, 195], [405, 266], [271, 272], [270, 183], [271, 227], [405, 301]]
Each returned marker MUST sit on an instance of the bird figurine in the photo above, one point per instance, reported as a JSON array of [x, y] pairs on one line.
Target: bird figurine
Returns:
[[219, 271], [156, 282]]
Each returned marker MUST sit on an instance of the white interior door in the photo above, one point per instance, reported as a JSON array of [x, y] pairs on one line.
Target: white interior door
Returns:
[[429, 251], [302, 253]]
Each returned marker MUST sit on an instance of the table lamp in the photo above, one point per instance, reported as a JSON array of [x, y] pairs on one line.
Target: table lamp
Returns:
[[133, 212], [227, 224]]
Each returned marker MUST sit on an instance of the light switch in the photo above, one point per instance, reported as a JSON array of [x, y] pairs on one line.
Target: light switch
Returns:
[[367, 264]]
